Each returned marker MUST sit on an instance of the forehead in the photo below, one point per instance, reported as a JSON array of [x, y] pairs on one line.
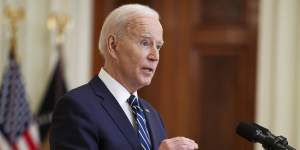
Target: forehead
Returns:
[[145, 27]]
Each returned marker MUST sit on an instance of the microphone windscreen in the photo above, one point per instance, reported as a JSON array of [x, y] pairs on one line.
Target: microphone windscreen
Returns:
[[263, 129], [247, 131]]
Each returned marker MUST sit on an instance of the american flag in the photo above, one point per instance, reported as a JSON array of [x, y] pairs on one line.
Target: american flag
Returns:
[[17, 128]]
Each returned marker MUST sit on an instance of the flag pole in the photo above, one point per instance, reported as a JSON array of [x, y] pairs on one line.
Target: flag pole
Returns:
[[60, 23], [14, 15]]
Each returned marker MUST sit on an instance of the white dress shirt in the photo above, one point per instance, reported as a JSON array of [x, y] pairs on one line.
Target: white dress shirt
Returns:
[[119, 92]]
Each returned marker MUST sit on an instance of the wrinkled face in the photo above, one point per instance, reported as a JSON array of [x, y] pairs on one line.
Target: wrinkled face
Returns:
[[137, 52]]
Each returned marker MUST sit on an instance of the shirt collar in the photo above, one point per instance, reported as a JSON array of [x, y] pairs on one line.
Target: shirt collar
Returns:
[[118, 90]]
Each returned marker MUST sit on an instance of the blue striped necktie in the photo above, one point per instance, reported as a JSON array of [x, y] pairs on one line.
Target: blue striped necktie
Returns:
[[143, 134]]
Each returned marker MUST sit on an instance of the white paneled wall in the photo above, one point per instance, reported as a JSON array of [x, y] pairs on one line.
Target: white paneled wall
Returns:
[[278, 86], [36, 53]]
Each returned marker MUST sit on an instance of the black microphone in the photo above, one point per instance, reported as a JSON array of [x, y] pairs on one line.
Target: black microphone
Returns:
[[256, 133]]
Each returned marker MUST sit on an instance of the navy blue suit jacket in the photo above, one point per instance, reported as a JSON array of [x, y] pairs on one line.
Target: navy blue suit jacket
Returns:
[[90, 118]]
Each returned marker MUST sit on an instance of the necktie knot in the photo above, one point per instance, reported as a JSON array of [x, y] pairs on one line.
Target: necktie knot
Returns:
[[134, 102]]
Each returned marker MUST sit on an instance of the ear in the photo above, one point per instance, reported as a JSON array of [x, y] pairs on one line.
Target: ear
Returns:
[[112, 46]]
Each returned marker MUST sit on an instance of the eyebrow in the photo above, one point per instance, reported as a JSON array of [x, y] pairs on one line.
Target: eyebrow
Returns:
[[147, 35]]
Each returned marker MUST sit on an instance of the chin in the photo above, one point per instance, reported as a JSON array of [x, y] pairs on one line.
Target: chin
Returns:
[[146, 82]]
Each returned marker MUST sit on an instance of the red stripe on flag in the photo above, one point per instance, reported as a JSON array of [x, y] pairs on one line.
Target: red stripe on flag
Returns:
[[14, 147], [29, 141]]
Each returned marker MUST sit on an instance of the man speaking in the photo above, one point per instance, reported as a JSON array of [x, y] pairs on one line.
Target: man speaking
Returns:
[[106, 113]]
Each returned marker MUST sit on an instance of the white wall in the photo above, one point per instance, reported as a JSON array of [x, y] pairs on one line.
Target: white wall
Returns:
[[278, 86], [36, 53]]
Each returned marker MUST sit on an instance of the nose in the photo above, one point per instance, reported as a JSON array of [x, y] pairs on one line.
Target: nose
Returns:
[[153, 54]]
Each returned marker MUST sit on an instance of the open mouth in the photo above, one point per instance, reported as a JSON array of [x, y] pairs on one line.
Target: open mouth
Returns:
[[148, 69]]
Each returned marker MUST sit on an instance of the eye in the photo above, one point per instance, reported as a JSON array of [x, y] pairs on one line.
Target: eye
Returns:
[[145, 43], [158, 47]]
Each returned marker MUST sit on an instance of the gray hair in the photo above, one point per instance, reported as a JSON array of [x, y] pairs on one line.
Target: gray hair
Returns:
[[116, 21]]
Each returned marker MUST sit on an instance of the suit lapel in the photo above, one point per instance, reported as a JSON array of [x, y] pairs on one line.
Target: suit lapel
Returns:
[[151, 123], [115, 111]]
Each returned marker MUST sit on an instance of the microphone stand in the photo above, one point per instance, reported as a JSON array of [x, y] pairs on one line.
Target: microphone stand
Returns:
[[281, 144]]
